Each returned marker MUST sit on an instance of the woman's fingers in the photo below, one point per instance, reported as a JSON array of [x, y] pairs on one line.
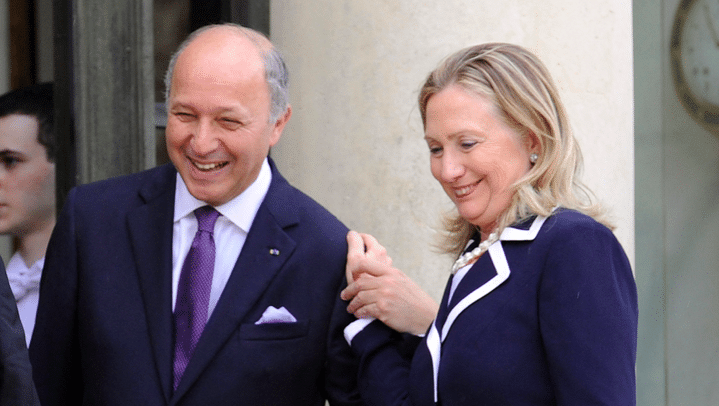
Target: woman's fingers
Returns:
[[355, 255], [365, 255]]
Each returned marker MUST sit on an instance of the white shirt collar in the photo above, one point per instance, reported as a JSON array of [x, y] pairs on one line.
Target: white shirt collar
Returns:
[[240, 211], [17, 264], [23, 279]]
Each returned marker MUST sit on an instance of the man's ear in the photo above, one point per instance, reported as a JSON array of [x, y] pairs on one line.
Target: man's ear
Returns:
[[280, 126]]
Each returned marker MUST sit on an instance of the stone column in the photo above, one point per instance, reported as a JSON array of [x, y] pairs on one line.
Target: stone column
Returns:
[[355, 141], [104, 84]]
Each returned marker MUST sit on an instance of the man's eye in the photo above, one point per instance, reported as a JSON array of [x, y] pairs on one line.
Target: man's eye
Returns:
[[183, 116], [230, 123], [9, 162]]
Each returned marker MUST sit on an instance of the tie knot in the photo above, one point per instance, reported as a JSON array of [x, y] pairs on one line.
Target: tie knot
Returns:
[[206, 217]]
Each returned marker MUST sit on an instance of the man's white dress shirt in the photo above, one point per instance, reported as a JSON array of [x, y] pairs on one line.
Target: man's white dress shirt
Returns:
[[230, 232], [25, 284]]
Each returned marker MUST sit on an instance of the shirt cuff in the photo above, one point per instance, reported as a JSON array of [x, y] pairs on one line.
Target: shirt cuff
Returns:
[[355, 327]]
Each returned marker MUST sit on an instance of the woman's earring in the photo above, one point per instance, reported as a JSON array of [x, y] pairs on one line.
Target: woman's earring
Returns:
[[533, 158]]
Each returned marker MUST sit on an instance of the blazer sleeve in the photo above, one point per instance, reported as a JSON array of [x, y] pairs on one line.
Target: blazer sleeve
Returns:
[[385, 358], [588, 318], [341, 383], [54, 346], [16, 385]]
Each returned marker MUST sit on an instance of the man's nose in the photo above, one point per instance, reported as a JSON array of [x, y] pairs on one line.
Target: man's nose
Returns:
[[204, 139]]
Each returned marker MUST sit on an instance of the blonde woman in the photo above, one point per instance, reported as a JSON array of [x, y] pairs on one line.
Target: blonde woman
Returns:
[[541, 305]]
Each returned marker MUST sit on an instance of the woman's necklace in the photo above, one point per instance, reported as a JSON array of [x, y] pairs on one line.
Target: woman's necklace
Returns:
[[471, 256]]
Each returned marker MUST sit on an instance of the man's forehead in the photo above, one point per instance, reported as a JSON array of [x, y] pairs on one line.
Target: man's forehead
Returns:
[[22, 123], [18, 131], [218, 49]]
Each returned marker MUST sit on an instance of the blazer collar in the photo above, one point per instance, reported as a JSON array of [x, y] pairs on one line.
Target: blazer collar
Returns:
[[280, 200], [523, 231], [150, 231]]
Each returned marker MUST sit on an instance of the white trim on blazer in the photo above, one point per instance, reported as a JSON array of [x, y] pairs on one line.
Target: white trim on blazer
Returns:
[[499, 260]]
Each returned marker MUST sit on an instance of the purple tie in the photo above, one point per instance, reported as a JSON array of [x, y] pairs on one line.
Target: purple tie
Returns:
[[193, 291]]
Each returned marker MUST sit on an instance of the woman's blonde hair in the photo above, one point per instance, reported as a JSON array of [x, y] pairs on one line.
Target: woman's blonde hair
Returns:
[[520, 86]]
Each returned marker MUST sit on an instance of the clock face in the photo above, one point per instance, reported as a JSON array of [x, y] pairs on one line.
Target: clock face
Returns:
[[695, 60]]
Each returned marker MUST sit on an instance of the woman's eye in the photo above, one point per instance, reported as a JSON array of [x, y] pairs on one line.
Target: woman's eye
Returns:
[[468, 144], [435, 150]]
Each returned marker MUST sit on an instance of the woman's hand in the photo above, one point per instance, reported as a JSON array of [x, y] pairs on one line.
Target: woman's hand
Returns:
[[376, 289]]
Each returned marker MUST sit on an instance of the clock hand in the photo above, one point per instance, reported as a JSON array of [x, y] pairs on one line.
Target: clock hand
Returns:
[[710, 23]]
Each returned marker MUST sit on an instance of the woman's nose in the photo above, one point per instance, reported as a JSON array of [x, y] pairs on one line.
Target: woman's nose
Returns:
[[452, 168]]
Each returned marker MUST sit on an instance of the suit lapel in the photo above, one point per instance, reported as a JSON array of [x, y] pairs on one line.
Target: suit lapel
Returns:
[[266, 250], [489, 273], [493, 273], [443, 306], [150, 230]]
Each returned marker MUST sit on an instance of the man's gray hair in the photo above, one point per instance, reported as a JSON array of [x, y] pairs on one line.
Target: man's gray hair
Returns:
[[276, 75]]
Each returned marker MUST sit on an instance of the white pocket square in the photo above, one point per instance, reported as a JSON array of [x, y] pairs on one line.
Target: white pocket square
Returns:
[[274, 315]]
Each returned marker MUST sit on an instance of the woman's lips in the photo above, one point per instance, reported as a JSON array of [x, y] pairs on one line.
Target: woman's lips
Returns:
[[460, 192]]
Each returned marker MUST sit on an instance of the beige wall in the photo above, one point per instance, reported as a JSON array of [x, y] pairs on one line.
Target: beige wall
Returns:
[[355, 141]]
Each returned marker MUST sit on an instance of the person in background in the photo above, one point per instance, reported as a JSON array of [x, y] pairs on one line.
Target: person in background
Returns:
[[541, 304], [206, 281], [27, 190], [16, 386]]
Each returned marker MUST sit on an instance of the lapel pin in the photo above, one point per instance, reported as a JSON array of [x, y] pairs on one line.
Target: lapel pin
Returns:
[[274, 251]]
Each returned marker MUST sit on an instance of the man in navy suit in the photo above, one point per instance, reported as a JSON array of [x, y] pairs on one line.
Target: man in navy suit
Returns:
[[113, 288], [16, 387]]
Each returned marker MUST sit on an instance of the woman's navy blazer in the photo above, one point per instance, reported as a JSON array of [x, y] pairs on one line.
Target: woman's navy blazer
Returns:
[[549, 317]]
